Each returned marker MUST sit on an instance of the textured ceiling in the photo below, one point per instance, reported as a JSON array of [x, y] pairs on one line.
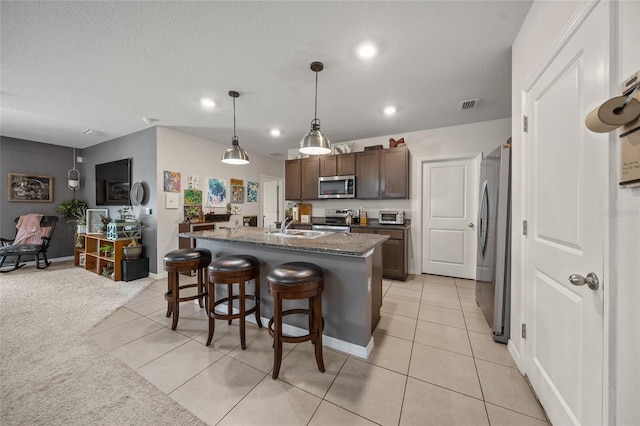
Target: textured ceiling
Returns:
[[69, 66]]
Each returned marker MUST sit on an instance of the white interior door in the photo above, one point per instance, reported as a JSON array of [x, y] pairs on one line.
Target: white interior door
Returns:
[[270, 202], [566, 187], [449, 206]]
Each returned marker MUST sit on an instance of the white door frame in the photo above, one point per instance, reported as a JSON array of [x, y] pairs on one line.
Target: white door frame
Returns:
[[263, 179], [608, 356], [417, 200]]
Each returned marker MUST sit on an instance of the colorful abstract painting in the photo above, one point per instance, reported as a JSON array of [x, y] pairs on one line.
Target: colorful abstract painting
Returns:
[[216, 193], [236, 182], [193, 214], [252, 192], [171, 181], [237, 194], [192, 197]]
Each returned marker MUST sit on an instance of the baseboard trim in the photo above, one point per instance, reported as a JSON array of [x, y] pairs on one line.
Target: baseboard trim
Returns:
[[362, 352]]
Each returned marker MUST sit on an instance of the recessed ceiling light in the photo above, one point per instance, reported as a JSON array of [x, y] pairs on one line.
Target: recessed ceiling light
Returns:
[[207, 103], [390, 110], [367, 50], [275, 132]]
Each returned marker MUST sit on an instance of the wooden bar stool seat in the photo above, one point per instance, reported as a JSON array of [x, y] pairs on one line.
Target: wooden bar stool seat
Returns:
[[185, 260], [230, 270], [294, 281]]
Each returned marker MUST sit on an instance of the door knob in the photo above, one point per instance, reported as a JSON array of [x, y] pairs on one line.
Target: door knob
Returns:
[[471, 225], [591, 280]]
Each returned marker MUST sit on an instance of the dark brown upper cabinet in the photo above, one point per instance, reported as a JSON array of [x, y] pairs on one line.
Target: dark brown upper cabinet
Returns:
[[368, 175], [394, 172]]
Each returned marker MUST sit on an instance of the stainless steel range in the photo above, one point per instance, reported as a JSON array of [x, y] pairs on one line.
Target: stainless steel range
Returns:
[[335, 221]]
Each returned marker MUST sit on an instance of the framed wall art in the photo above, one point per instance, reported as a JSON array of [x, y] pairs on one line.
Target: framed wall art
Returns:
[[171, 181], [94, 220], [30, 188], [237, 194], [252, 192]]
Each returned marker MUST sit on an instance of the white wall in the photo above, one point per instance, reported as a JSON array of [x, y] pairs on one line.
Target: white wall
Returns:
[[542, 26], [191, 155], [445, 141]]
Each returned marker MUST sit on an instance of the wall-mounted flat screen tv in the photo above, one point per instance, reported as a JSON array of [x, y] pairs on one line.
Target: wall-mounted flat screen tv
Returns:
[[113, 182]]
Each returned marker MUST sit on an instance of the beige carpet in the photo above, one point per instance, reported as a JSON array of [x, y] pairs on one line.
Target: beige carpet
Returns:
[[51, 372]]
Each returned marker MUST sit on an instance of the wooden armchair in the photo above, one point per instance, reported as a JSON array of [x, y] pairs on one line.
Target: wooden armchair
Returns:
[[31, 239]]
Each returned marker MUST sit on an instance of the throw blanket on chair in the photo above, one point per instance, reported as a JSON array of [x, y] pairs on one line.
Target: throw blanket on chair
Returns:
[[29, 229]]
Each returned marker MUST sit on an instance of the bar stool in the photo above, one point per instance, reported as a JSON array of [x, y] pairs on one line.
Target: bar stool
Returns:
[[294, 281], [230, 270], [184, 260]]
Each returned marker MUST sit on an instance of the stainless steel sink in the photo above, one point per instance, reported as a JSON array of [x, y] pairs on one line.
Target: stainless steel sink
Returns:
[[299, 233]]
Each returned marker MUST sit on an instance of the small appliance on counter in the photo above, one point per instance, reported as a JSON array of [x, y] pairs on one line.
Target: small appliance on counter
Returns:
[[391, 217]]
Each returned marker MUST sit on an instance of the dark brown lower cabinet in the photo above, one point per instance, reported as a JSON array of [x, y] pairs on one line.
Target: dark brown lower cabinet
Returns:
[[394, 251]]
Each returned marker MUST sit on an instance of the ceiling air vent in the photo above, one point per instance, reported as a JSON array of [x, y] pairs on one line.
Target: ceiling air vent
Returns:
[[470, 104], [92, 132]]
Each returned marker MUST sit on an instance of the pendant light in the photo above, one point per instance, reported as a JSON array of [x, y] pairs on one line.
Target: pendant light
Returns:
[[73, 176], [315, 142], [234, 154]]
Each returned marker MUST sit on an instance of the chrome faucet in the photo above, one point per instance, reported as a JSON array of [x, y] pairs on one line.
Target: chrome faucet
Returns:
[[285, 224]]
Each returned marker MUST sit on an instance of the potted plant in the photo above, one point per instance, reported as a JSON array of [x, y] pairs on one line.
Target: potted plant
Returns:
[[72, 209], [134, 233], [106, 249], [107, 270], [125, 214]]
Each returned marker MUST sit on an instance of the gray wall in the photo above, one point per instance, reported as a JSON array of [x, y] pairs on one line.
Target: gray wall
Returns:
[[141, 147], [22, 156]]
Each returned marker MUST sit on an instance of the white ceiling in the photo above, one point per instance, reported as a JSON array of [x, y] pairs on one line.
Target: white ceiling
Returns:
[[70, 66]]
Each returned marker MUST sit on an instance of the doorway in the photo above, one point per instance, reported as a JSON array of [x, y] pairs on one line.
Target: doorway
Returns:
[[449, 211], [566, 196], [272, 200]]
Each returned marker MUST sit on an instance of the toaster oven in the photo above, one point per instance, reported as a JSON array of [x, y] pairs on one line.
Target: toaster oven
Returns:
[[391, 217]]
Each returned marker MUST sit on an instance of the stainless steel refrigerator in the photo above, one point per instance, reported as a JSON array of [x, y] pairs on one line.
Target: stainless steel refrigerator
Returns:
[[493, 271]]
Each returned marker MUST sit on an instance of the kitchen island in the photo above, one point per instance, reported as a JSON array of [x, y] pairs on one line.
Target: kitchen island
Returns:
[[352, 265]]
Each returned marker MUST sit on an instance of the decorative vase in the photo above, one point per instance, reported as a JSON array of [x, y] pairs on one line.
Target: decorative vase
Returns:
[[82, 229], [132, 252]]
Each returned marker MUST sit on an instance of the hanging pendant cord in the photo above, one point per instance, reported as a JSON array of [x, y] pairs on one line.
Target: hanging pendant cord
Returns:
[[316, 110], [234, 117]]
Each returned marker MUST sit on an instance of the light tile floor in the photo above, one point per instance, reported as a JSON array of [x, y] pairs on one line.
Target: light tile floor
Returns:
[[434, 363]]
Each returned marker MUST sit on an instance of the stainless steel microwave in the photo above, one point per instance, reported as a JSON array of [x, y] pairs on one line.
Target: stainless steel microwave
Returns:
[[337, 187], [391, 217]]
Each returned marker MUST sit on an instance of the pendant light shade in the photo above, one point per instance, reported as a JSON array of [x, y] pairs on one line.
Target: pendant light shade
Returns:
[[73, 176], [235, 154], [315, 142]]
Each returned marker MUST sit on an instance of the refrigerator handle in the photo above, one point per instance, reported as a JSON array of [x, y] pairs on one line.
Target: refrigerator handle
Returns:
[[483, 216]]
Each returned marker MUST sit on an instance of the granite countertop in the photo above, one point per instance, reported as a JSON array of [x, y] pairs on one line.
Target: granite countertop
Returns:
[[372, 223], [345, 244]]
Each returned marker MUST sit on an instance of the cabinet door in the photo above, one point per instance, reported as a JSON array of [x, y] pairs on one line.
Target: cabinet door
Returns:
[[310, 170], [346, 164], [328, 165], [367, 174], [292, 177], [393, 259], [394, 173], [356, 230]]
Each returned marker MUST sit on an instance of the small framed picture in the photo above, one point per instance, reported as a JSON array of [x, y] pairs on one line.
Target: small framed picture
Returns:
[[94, 220], [82, 259], [237, 194]]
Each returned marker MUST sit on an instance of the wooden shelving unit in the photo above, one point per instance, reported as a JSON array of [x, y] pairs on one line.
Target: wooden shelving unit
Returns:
[[91, 258]]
